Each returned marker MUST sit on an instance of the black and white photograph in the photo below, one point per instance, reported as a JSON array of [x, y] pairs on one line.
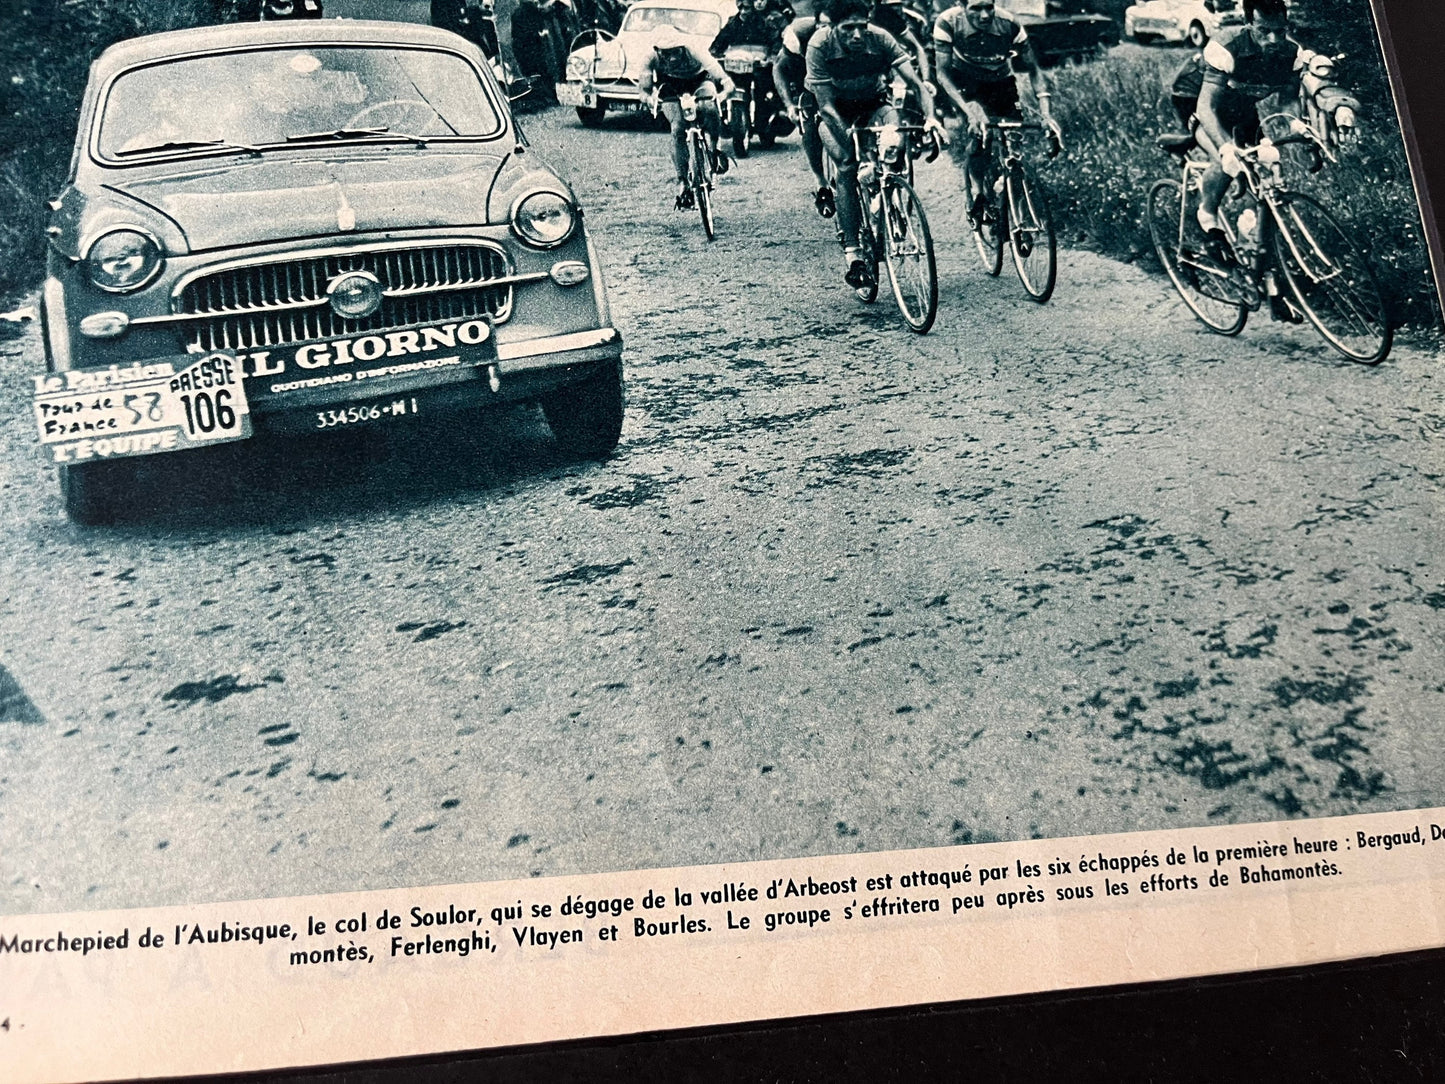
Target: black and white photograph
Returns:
[[445, 442]]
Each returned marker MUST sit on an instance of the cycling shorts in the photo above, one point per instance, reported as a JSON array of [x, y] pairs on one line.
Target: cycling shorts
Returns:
[[865, 111], [999, 98], [699, 86]]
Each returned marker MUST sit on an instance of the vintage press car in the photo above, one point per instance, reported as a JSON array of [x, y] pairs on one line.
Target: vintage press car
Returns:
[[298, 226]]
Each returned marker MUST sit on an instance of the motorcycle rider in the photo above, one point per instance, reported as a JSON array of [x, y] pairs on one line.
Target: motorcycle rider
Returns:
[[675, 68], [757, 23]]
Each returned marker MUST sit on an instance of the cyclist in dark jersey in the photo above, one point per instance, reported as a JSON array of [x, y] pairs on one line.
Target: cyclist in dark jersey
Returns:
[[851, 67], [1241, 69], [974, 47], [674, 69], [789, 72]]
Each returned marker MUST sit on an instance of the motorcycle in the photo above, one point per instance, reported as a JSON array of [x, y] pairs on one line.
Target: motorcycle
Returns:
[[756, 111]]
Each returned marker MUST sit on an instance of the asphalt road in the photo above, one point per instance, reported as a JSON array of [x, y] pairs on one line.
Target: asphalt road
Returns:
[[1048, 570]]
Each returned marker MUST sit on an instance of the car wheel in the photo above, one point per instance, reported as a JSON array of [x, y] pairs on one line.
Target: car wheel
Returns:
[[586, 418], [1198, 36], [591, 118], [95, 493]]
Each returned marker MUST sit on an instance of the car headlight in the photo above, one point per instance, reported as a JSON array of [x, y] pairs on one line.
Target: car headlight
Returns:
[[577, 66], [544, 219], [123, 260]]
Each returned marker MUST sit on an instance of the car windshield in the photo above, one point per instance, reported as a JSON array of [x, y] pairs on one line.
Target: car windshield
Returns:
[[701, 24], [1038, 8], [261, 97]]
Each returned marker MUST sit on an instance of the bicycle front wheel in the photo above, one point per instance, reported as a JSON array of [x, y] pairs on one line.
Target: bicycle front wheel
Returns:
[[1031, 236], [701, 178], [908, 252], [988, 231], [1205, 286], [868, 240], [1331, 280]]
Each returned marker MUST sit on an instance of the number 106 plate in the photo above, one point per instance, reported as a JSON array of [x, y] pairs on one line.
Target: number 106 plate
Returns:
[[141, 409]]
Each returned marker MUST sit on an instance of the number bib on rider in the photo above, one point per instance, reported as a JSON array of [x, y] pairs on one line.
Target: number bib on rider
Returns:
[[141, 409]]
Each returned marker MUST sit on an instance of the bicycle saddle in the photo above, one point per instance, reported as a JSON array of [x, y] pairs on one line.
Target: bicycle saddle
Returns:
[[1180, 143]]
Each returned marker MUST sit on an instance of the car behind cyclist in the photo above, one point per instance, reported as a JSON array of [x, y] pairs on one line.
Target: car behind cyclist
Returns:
[[850, 70], [674, 69], [974, 46]]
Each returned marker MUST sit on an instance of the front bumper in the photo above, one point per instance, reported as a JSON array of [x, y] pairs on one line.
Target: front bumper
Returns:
[[610, 94]]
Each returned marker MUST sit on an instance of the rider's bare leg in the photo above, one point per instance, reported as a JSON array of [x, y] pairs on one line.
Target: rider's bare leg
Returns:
[[813, 149]]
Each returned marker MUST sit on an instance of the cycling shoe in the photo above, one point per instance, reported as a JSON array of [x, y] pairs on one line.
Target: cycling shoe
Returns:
[[823, 201], [1280, 309], [720, 163], [684, 200], [858, 275]]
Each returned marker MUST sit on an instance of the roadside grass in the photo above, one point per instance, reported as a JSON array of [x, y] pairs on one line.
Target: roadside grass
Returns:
[[1112, 110]]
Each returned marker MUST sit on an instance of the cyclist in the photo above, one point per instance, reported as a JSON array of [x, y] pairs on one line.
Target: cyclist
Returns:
[[674, 69], [789, 71], [908, 28], [974, 45], [1242, 69], [851, 66]]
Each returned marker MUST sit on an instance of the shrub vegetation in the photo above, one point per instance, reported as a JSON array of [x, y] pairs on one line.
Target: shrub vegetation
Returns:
[[1112, 110]]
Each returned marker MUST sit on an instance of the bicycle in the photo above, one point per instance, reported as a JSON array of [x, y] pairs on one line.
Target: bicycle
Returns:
[[699, 164], [1015, 212], [893, 229], [1329, 281]]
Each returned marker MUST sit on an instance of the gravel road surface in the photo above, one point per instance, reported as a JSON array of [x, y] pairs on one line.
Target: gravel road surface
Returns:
[[1047, 570]]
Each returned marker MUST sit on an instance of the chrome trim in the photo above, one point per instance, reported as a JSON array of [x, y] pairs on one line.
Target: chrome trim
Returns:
[[554, 344], [180, 317], [335, 250]]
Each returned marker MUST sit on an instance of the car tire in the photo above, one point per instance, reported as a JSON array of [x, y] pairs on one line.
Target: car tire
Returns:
[[593, 117], [1196, 35], [95, 493], [586, 417]]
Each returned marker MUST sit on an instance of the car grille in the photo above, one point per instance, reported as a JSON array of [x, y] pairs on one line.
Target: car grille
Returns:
[[247, 309]]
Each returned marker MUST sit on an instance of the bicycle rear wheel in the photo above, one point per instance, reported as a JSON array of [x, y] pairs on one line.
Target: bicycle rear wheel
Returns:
[[1204, 286], [1331, 280], [1031, 236], [908, 252]]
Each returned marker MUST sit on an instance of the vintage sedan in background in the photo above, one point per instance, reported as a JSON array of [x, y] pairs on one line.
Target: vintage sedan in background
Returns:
[[286, 227], [1064, 29], [1174, 21], [602, 70]]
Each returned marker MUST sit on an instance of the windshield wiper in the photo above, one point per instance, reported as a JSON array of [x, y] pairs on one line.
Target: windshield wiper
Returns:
[[339, 134], [187, 144]]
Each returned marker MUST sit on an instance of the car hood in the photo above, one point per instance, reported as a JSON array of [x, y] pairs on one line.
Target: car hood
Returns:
[[623, 56], [276, 199]]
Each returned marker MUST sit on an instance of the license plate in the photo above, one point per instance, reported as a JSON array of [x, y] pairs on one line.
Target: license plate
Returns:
[[739, 65], [573, 94], [362, 413], [141, 409]]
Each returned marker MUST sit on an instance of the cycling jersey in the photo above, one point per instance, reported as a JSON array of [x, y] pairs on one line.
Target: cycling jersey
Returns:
[[979, 56], [864, 75], [1239, 64], [682, 71]]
